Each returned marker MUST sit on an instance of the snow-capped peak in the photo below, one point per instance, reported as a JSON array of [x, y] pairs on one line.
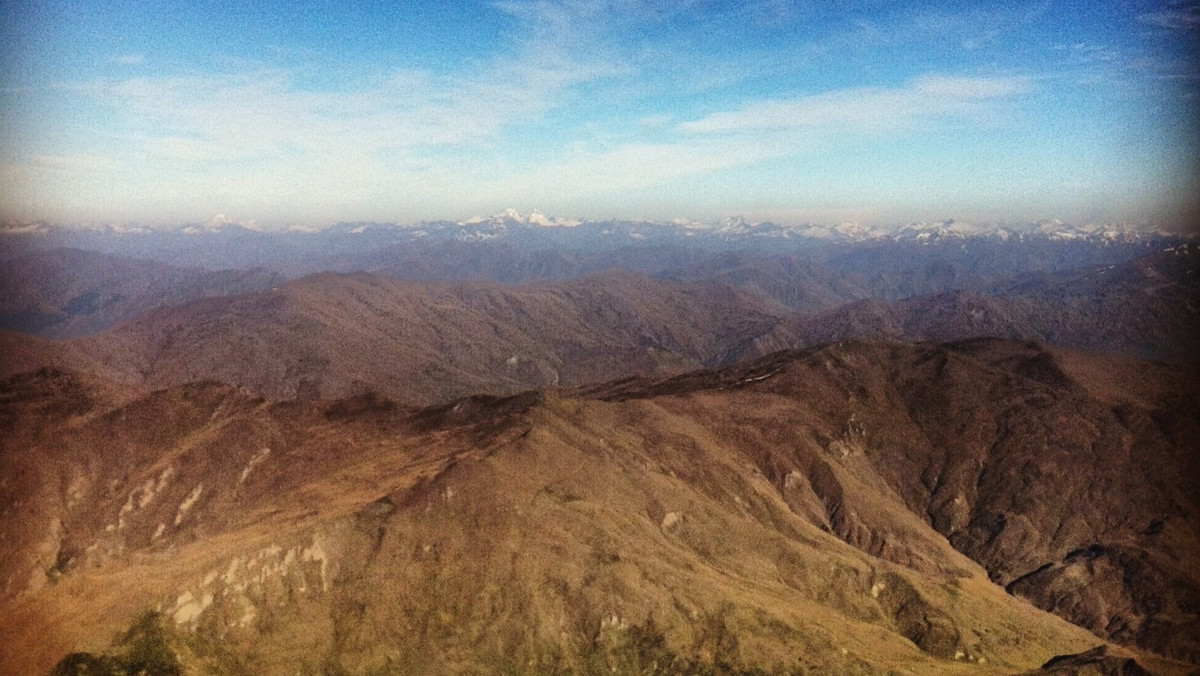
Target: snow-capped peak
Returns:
[[537, 218], [218, 223], [736, 225], [689, 224], [24, 228], [514, 217]]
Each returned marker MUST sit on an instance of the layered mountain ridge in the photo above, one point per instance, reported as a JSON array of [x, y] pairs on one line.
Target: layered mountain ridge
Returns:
[[641, 455], [356, 246], [335, 335]]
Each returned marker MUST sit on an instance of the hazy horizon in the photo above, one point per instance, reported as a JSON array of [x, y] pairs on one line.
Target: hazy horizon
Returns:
[[538, 218], [309, 114]]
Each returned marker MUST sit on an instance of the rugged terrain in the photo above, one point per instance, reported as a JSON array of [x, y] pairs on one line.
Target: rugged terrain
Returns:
[[333, 335], [858, 508], [735, 455], [336, 335], [1147, 307]]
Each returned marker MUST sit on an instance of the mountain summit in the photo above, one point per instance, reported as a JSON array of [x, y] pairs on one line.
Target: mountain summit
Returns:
[[514, 217]]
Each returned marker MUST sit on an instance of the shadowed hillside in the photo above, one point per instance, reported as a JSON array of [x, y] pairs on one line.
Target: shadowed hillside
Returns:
[[1148, 307], [63, 293]]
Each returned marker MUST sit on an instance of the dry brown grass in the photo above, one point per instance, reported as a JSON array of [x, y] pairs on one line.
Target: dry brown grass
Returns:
[[730, 523]]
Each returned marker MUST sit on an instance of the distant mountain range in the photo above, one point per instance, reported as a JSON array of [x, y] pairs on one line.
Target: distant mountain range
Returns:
[[334, 335], [111, 276], [511, 219], [247, 244]]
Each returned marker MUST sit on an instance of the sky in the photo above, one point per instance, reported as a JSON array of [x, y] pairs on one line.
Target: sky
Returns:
[[874, 111]]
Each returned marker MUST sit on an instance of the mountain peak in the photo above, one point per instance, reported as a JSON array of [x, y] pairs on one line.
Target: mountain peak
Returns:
[[512, 216]]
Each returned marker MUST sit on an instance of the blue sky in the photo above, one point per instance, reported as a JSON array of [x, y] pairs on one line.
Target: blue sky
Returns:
[[869, 110]]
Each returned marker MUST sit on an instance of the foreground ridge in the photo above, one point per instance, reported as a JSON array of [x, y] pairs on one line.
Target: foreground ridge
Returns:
[[761, 516]]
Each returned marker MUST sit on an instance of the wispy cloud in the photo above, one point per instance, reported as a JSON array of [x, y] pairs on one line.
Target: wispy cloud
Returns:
[[1089, 53], [1177, 16], [213, 118], [127, 59], [971, 88], [972, 29], [257, 136], [861, 109], [761, 132], [262, 134], [1124, 70]]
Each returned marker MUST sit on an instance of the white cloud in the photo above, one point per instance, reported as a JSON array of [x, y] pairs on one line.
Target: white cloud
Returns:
[[1086, 53], [1185, 17], [255, 138], [208, 141], [531, 123], [127, 59], [262, 113], [864, 109], [971, 87], [759, 132]]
